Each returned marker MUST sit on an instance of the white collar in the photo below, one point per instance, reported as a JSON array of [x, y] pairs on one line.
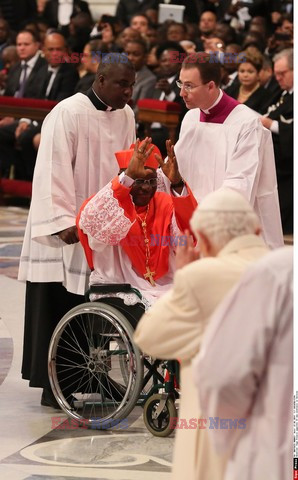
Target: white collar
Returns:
[[53, 69], [108, 106], [215, 103], [30, 63]]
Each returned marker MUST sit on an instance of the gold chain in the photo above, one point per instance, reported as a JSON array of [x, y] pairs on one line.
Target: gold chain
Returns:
[[247, 95], [148, 275]]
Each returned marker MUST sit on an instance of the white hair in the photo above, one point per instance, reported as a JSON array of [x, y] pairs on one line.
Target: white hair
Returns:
[[223, 215], [287, 53]]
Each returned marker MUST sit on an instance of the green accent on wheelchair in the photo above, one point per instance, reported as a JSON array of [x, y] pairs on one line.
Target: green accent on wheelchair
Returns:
[[134, 290]]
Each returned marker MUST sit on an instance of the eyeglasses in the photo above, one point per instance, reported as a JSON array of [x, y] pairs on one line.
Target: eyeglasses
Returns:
[[188, 88], [140, 182]]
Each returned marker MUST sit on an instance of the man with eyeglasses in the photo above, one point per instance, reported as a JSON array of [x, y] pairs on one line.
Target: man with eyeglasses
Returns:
[[279, 119], [222, 143], [132, 229]]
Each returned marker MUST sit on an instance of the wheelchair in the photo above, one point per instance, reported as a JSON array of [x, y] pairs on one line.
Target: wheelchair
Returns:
[[97, 373]]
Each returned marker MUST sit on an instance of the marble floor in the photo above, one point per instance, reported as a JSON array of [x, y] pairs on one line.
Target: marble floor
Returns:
[[32, 446]]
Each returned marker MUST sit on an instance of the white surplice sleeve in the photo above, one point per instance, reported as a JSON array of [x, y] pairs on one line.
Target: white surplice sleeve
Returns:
[[244, 166], [103, 218], [54, 196]]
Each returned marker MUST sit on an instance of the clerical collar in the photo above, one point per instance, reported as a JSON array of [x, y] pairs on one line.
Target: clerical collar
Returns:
[[220, 110], [97, 102], [215, 103]]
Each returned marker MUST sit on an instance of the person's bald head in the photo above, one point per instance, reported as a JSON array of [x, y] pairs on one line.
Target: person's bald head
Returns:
[[54, 48], [9, 56], [222, 216], [115, 78]]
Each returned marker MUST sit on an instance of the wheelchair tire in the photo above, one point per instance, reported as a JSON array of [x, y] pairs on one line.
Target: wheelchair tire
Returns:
[[162, 425], [87, 352]]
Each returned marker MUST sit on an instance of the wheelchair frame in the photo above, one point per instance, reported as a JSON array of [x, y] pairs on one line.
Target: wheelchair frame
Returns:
[[97, 372]]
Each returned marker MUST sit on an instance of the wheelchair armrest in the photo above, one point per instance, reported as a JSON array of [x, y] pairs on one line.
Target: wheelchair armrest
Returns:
[[110, 288]]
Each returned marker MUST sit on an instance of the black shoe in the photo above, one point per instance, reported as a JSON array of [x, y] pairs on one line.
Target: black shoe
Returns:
[[48, 399]]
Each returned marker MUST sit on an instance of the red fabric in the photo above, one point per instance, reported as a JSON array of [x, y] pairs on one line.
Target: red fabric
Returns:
[[27, 102], [162, 105], [133, 244], [159, 219], [124, 156], [167, 379], [18, 188], [184, 208], [84, 238]]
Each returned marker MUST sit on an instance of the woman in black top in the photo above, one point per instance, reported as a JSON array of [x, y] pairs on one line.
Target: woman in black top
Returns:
[[249, 90]]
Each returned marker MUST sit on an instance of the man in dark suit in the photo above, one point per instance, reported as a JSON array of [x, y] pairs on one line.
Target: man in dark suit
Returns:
[[136, 51], [53, 81], [57, 81], [270, 84], [21, 78], [57, 78], [279, 119], [20, 83]]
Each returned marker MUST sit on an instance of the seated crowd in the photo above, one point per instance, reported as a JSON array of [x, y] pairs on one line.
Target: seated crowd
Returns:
[[50, 55], [225, 205]]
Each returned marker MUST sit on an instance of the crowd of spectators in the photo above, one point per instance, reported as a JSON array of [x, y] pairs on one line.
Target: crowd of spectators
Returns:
[[244, 36]]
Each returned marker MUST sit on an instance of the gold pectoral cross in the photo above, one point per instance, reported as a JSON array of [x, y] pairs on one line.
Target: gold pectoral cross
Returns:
[[149, 275]]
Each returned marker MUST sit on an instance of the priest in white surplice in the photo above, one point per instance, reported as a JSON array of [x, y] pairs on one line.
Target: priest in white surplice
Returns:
[[222, 143], [75, 159]]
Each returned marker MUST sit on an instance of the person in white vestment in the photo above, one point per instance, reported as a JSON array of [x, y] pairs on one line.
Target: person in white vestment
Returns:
[[222, 143], [75, 159], [245, 371], [227, 231], [132, 229]]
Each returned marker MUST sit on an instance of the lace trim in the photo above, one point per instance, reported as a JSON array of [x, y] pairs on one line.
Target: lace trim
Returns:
[[174, 231], [103, 218], [161, 186], [128, 298]]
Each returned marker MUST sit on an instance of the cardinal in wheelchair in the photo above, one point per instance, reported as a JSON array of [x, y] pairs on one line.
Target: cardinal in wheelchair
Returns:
[[132, 229], [129, 231]]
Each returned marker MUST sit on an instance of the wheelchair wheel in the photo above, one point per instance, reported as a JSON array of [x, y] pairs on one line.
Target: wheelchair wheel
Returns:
[[159, 423], [88, 351]]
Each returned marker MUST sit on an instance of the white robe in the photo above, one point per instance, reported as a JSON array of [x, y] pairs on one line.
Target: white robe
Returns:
[[245, 370], [75, 159], [236, 154]]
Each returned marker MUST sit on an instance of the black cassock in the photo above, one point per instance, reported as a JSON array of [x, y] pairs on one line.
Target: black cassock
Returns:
[[283, 151]]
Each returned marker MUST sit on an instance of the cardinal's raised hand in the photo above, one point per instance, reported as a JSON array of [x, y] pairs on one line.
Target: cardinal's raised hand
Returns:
[[136, 167], [170, 167]]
